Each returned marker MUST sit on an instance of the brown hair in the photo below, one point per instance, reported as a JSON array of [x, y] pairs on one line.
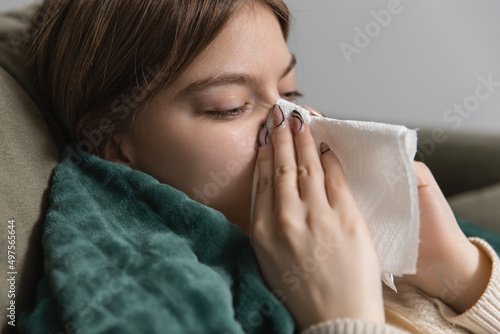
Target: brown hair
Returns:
[[97, 63]]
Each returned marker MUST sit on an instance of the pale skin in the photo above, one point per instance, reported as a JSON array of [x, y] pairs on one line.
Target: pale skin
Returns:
[[302, 196]]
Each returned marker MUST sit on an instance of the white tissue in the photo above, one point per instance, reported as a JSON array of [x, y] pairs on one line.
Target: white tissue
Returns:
[[377, 161]]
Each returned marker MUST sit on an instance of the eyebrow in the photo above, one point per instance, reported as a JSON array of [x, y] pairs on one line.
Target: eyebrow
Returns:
[[229, 79]]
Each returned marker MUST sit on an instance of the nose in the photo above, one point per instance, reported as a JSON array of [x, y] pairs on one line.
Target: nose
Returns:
[[266, 105], [269, 94]]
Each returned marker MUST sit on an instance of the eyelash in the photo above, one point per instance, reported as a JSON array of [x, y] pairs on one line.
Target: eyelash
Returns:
[[292, 96], [222, 114]]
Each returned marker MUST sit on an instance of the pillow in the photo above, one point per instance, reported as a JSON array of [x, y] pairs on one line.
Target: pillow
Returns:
[[480, 206], [29, 154]]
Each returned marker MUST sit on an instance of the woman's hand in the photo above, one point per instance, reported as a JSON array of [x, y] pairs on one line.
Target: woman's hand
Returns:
[[449, 266], [310, 239]]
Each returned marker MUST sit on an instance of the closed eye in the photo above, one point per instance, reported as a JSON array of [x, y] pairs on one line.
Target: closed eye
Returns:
[[291, 96], [223, 114]]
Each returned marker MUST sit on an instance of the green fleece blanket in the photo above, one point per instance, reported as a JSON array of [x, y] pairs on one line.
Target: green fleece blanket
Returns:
[[126, 254]]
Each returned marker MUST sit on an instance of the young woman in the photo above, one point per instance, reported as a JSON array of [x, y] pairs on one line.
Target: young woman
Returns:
[[179, 89]]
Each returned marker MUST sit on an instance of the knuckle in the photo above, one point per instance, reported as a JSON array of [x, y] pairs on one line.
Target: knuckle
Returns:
[[317, 217], [285, 220], [303, 171], [353, 225], [285, 170], [308, 170], [260, 230]]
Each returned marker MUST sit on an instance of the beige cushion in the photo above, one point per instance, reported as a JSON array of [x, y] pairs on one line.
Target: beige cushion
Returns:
[[13, 35], [28, 155], [479, 206]]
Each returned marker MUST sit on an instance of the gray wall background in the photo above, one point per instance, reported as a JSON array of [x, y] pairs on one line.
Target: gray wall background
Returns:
[[417, 67], [11, 4]]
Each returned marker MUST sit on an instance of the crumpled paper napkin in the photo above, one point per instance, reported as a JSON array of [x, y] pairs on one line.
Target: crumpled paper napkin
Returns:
[[377, 161]]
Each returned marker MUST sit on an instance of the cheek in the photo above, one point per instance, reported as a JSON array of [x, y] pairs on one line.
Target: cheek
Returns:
[[241, 143], [226, 151], [194, 162]]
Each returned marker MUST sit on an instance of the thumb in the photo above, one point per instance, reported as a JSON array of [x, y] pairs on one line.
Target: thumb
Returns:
[[431, 199]]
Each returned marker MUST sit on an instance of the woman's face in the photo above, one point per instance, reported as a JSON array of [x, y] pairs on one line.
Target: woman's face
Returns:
[[200, 135]]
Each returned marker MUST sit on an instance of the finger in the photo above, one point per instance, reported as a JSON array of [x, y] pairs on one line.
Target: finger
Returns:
[[337, 188], [430, 195], [285, 165], [264, 195], [310, 171], [424, 175]]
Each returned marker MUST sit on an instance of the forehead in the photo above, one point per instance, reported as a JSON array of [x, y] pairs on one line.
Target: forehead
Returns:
[[252, 42]]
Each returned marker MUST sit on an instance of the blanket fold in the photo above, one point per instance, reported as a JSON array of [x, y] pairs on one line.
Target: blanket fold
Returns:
[[126, 254]]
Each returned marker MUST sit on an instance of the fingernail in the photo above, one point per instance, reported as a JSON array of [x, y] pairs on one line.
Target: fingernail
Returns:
[[323, 148], [278, 117], [314, 111], [263, 135], [298, 121]]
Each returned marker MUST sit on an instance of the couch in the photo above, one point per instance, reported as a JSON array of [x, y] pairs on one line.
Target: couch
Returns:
[[466, 165]]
